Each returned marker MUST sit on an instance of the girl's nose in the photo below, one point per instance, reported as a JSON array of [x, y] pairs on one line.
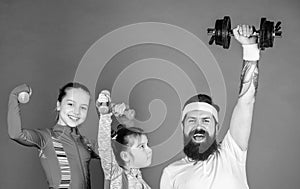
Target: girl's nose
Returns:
[[76, 110]]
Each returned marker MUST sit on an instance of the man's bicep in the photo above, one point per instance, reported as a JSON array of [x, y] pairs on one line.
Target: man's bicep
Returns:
[[240, 124], [231, 147]]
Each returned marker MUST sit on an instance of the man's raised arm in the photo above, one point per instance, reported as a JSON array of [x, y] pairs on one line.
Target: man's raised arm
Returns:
[[241, 120]]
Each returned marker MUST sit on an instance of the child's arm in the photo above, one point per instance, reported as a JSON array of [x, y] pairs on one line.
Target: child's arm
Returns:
[[25, 137], [108, 160]]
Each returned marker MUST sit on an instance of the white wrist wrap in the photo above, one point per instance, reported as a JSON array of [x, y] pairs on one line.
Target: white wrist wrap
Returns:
[[250, 52]]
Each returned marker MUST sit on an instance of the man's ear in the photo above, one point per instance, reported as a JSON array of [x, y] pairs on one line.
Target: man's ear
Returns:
[[218, 128], [124, 156], [182, 123], [57, 106]]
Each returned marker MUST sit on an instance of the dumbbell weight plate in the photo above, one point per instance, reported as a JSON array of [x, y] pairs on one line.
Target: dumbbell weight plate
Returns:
[[270, 33], [262, 33], [218, 32], [266, 38], [222, 32], [226, 29]]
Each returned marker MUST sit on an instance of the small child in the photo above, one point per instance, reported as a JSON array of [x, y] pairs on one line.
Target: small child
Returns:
[[130, 146]]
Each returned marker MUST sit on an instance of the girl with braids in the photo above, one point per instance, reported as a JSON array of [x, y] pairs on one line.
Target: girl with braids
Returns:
[[64, 153], [127, 152]]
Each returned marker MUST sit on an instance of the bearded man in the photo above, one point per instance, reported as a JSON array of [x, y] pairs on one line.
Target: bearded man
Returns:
[[209, 165]]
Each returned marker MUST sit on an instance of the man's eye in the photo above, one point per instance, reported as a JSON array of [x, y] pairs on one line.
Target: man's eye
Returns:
[[70, 104], [191, 120], [206, 121], [84, 108]]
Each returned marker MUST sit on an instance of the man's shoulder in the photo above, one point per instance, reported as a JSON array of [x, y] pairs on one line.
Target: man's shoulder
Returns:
[[176, 165]]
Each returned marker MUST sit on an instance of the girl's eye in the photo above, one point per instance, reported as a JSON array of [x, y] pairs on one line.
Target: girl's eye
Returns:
[[70, 104], [84, 108]]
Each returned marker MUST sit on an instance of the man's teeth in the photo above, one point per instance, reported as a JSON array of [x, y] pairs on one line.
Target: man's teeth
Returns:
[[198, 136]]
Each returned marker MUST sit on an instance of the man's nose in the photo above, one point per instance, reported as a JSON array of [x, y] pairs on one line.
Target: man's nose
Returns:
[[199, 123]]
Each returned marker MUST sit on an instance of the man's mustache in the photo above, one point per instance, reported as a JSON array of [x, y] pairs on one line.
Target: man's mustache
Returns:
[[196, 132]]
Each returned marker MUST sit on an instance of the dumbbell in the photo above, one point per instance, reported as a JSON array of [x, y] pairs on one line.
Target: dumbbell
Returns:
[[222, 33]]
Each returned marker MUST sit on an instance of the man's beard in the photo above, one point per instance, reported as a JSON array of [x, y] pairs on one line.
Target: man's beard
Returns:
[[200, 151]]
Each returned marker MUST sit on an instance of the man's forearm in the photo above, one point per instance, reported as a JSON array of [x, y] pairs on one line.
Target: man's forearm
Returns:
[[249, 74]]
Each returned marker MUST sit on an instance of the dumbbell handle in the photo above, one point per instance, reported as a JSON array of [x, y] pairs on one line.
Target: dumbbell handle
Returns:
[[212, 31]]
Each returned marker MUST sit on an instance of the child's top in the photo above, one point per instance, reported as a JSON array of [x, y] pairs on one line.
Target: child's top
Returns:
[[64, 153]]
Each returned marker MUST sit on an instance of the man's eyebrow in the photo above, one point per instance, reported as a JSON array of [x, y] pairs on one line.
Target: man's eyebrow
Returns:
[[191, 117]]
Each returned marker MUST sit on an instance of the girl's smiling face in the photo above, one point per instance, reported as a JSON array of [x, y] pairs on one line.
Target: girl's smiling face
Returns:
[[73, 108]]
